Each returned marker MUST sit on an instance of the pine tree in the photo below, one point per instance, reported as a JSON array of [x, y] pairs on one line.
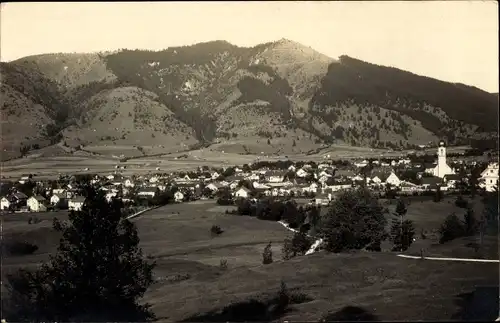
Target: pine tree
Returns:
[[97, 274], [267, 255], [451, 229], [470, 222], [403, 234]]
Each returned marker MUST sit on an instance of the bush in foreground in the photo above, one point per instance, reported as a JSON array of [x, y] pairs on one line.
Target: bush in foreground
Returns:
[[97, 274], [216, 230], [267, 255], [297, 246], [451, 229]]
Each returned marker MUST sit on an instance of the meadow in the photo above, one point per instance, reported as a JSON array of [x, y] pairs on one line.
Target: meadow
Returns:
[[190, 281]]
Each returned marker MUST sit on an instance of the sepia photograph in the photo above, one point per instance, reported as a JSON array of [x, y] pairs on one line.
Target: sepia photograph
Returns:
[[259, 161]]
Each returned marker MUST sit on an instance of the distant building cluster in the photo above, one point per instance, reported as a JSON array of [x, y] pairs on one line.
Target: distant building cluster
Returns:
[[318, 183]]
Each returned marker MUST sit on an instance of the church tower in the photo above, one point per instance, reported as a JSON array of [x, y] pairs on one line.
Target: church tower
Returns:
[[442, 167]]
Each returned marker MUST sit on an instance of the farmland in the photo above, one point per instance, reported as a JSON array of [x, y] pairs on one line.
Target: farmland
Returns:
[[190, 280], [52, 165]]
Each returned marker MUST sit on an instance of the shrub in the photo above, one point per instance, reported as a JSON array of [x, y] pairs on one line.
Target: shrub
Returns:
[[297, 246], [461, 202], [451, 229], [267, 255], [216, 230], [470, 222], [223, 264]]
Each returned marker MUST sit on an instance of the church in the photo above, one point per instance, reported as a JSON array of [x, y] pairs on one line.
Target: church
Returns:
[[441, 169]]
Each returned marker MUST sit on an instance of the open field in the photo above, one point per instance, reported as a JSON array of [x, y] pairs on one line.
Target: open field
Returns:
[[190, 281]]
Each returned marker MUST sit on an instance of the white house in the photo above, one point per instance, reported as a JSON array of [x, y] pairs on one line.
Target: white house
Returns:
[[301, 173], [154, 179], [274, 177], [109, 196], [361, 164], [128, 183], [442, 168], [76, 203], [178, 196], [311, 188], [253, 177], [489, 177], [147, 192], [242, 192], [37, 203], [215, 175], [393, 179], [24, 179], [56, 198], [214, 187], [4, 203], [292, 168]]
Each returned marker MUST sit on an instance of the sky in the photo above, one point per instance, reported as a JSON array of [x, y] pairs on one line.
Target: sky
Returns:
[[455, 41]]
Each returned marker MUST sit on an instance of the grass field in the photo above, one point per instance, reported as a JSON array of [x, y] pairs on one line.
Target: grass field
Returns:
[[190, 281], [49, 165]]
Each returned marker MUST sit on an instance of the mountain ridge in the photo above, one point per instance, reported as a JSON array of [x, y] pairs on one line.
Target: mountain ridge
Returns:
[[281, 94]]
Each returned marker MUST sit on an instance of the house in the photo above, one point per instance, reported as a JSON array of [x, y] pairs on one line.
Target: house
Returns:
[[147, 192], [430, 183], [339, 185], [242, 192], [489, 177], [292, 168], [154, 179], [17, 199], [393, 179], [110, 195], [382, 178], [76, 203], [117, 181], [61, 191], [56, 199], [128, 183], [24, 179], [253, 177], [259, 186], [37, 203], [215, 175], [4, 203], [408, 187], [214, 187], [451, 180], [361, 164], [178, 196], [323, 199], [301, 173], [311, 188], [274, 176]]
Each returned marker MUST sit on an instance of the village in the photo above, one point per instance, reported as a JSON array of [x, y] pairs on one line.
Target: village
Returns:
[[310, 182]]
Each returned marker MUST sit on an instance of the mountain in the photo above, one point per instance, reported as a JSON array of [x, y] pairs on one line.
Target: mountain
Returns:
[[275, 97]]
